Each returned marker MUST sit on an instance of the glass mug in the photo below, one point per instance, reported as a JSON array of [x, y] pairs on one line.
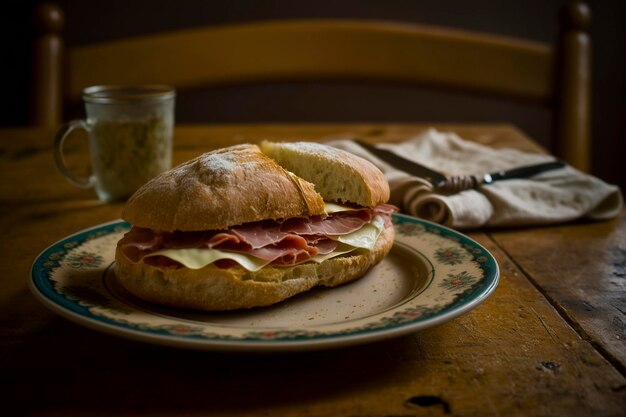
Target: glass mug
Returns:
[[130, 131]]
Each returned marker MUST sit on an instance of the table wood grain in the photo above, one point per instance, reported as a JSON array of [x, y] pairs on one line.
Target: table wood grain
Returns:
[[549, 341]]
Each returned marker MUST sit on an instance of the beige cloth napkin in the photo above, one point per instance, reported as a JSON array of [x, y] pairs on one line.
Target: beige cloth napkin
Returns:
[[555, 196]]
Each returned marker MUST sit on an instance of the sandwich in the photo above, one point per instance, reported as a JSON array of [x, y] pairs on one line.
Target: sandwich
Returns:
[[252, 225]]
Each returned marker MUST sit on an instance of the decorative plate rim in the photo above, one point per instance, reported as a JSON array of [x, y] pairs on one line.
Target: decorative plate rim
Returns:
[[43, 289]]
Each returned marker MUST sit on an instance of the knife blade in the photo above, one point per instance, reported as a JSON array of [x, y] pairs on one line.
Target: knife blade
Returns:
[[460, 182], [523, 172], [403, 164]]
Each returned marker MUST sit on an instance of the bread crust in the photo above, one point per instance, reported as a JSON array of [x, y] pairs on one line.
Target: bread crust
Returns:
[[214, 289], [338, 175], [220, 189]]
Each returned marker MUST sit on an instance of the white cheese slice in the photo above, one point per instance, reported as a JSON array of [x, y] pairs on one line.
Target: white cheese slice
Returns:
[[196, 258], [331, 208], [366, 236]]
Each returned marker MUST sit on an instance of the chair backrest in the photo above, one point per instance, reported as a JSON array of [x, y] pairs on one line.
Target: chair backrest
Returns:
[[293, 50]]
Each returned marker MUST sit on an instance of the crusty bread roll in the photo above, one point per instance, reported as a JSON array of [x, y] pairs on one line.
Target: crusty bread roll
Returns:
[[338, 175], [215, 289], [240, 185], [220, 189]]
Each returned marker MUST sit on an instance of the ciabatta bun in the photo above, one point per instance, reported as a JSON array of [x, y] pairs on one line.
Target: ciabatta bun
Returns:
[[241, 185]]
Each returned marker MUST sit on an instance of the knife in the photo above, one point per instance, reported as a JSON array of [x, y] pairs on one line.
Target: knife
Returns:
[[459, 183]]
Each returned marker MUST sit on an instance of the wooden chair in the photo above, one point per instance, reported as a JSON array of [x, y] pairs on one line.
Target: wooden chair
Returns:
[[292, 50]]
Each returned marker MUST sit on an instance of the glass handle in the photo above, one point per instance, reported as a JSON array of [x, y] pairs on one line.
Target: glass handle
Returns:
[[59, 158]]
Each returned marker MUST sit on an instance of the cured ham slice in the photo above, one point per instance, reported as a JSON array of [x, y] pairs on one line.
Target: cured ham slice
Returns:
[[282, 243], [335, 225]]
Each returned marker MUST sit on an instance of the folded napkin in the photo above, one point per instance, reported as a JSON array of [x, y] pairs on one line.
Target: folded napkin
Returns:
[[550, 197]]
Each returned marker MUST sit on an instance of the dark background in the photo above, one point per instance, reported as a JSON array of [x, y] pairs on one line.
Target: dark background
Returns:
[[97, 20]]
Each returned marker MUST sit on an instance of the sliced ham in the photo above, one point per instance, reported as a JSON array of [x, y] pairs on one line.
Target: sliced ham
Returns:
[[262, 234], [258, 235], [384, 209], [139, 242], [286, 243], [337, 224], [222, 239]]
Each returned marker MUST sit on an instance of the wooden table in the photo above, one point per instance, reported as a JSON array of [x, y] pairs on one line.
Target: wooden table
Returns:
[[550, 341]]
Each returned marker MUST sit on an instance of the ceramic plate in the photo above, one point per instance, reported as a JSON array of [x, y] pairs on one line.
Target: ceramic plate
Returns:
[[432, 275]]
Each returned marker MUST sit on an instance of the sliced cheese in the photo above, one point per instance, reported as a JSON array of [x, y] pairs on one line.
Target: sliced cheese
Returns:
[[366, 236], [196, 258], [331, 208]]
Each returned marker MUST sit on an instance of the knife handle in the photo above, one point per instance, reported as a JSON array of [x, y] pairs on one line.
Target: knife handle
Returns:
[[453, 185], [458, 183]]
